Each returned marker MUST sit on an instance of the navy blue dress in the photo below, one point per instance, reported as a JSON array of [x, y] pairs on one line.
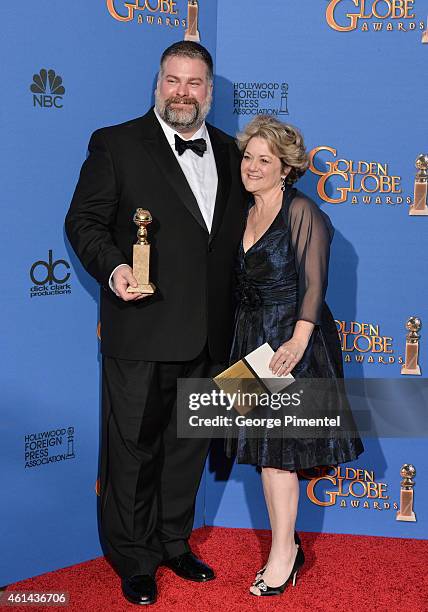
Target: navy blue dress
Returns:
[[281, 279]]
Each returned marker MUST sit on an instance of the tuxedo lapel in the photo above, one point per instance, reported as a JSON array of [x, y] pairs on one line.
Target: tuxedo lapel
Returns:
[[160, 151], [221, 154]]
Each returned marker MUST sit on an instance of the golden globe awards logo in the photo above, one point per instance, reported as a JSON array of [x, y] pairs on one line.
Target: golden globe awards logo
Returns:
[[364, 343], [148, 12], [354, 181], [346, 488], [373, 15]]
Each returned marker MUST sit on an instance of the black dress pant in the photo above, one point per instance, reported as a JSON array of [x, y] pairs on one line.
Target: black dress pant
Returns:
[[149, 477]]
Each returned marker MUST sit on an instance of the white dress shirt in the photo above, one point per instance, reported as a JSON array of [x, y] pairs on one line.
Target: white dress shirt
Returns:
[[200, 172]]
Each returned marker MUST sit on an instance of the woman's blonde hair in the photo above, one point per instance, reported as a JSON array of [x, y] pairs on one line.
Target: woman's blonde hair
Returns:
[[285, 141]]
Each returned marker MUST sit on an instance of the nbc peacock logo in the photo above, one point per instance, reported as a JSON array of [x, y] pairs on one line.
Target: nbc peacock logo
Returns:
[[47, 89]]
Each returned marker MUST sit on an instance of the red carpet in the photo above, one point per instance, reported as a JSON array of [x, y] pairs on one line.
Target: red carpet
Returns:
[[342, 573]]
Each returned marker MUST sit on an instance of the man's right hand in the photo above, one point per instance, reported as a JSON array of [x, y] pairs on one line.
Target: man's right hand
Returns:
[[122, 279]]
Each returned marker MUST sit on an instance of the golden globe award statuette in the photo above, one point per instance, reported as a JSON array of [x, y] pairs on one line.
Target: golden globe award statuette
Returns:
[[411, 365], [405, 513], [419, 206], [141, 254], [192, 32]]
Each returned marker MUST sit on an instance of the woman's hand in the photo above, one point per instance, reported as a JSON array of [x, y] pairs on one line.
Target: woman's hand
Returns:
[[287, 357], [290, 353]]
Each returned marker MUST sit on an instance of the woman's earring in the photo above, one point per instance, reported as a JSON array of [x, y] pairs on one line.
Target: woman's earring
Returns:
[[282, 183]]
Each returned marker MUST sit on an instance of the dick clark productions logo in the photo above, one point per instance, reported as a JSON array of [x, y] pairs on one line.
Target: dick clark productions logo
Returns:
[[50, 277], [47, 89]]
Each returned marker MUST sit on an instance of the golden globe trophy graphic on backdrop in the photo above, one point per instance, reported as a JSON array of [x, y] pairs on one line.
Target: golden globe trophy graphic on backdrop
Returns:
[[411, 365], [192, 32], [425, 35], [406, 513], [419, 206], [141, 254]]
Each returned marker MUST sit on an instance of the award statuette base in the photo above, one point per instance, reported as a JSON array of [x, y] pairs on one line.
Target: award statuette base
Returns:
[[418, 211], [411, 371], [405, 513], [193, 37], [419, 206], [147, 289], [192, 32], [411, 366], [409, 519], [140, 269]]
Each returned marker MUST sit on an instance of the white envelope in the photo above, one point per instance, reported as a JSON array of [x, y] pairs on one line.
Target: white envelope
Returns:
[[259, 360]]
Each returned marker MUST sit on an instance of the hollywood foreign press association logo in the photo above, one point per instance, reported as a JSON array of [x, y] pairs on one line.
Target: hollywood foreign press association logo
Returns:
[[50, 277], [52, 446], [260, 98], [47, 89]]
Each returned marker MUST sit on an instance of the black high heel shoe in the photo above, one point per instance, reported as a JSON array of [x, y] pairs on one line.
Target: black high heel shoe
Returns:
[[266, 590], [297, 541]]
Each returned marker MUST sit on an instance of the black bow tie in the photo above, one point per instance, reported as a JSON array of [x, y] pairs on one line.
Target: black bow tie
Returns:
[[198, 146]]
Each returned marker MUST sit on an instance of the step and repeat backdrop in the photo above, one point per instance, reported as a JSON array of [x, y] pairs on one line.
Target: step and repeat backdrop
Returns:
[[350, 75]]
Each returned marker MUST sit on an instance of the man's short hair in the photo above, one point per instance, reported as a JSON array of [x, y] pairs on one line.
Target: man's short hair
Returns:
[[193, 50]]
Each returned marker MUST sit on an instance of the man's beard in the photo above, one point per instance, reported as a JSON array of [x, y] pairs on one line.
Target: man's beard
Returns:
[[191, 116]]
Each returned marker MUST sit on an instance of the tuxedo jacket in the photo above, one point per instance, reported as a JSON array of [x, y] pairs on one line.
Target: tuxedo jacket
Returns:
[[132, 166]]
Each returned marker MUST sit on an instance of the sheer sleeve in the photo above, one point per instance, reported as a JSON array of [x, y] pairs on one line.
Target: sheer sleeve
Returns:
[[311, 234]]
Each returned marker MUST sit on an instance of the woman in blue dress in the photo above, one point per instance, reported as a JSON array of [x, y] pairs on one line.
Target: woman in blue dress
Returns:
[[282, 271]]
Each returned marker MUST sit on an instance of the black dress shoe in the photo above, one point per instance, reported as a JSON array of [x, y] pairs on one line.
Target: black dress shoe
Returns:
[[190, 567], [140, 590]]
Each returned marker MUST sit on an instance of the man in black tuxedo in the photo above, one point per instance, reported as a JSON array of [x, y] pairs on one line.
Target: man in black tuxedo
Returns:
[[186, 173]]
